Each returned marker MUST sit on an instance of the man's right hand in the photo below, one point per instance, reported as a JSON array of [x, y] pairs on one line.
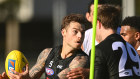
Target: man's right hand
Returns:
[[3, 76], [80, 73], [17, 75]]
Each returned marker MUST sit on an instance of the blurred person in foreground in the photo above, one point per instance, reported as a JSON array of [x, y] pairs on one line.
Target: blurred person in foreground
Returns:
[[58, 61], [114, 57], [130, 31]]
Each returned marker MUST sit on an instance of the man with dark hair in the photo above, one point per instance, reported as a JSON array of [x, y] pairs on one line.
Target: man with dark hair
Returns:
[[87, 43], [58, 61], [100, 2], [130, 31], [114, 57]]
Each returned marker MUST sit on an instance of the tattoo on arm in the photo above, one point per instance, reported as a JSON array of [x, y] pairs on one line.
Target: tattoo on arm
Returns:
[[63, 73], [79, 61], [38, 69]]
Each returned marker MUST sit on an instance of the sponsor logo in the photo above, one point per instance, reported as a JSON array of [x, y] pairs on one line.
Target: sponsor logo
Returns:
[[49, 71], [59, 66], [126, 73], [11, 65]]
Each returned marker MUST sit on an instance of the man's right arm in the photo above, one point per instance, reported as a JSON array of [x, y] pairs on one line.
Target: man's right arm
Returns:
[[3, 76], [38, 69]]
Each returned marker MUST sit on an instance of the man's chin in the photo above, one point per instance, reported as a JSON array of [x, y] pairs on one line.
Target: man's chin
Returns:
[[77, 47]]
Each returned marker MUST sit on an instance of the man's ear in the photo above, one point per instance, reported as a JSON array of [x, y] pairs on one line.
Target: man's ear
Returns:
[[137, 35], [88, 16], [99, 24], [63, 32]]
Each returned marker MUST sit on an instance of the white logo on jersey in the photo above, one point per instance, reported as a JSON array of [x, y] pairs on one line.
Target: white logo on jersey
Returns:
[[50, 64], [59, 66]]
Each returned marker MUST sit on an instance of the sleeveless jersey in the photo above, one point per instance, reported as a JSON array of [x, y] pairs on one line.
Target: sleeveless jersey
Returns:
[[55, 64], [116, 59]]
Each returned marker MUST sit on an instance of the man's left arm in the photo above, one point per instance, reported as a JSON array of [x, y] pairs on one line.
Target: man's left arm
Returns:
[[77, 62]]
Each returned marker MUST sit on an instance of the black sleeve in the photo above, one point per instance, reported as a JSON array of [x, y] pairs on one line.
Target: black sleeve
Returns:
[[100, 69]]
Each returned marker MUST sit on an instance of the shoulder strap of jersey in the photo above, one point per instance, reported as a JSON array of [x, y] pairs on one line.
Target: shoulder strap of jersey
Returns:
[[53, 52]]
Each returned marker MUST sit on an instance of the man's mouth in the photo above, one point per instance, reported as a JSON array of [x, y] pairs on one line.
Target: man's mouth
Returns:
[[78, 41]]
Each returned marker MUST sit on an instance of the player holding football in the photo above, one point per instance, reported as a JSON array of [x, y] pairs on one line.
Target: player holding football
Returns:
[[57, 62]]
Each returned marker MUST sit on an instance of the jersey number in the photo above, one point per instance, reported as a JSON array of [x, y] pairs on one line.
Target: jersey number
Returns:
[[135, 58]]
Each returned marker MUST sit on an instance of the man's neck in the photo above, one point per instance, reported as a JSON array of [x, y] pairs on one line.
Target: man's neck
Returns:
[[106, 33], [66, 51]]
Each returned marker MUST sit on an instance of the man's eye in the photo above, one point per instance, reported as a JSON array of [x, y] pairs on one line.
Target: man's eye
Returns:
[[75, 31], [123, 35]]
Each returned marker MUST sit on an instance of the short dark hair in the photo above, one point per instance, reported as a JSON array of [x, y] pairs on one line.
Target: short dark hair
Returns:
[[133, 22], [109, 16], [92, 2], [73, 17]]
